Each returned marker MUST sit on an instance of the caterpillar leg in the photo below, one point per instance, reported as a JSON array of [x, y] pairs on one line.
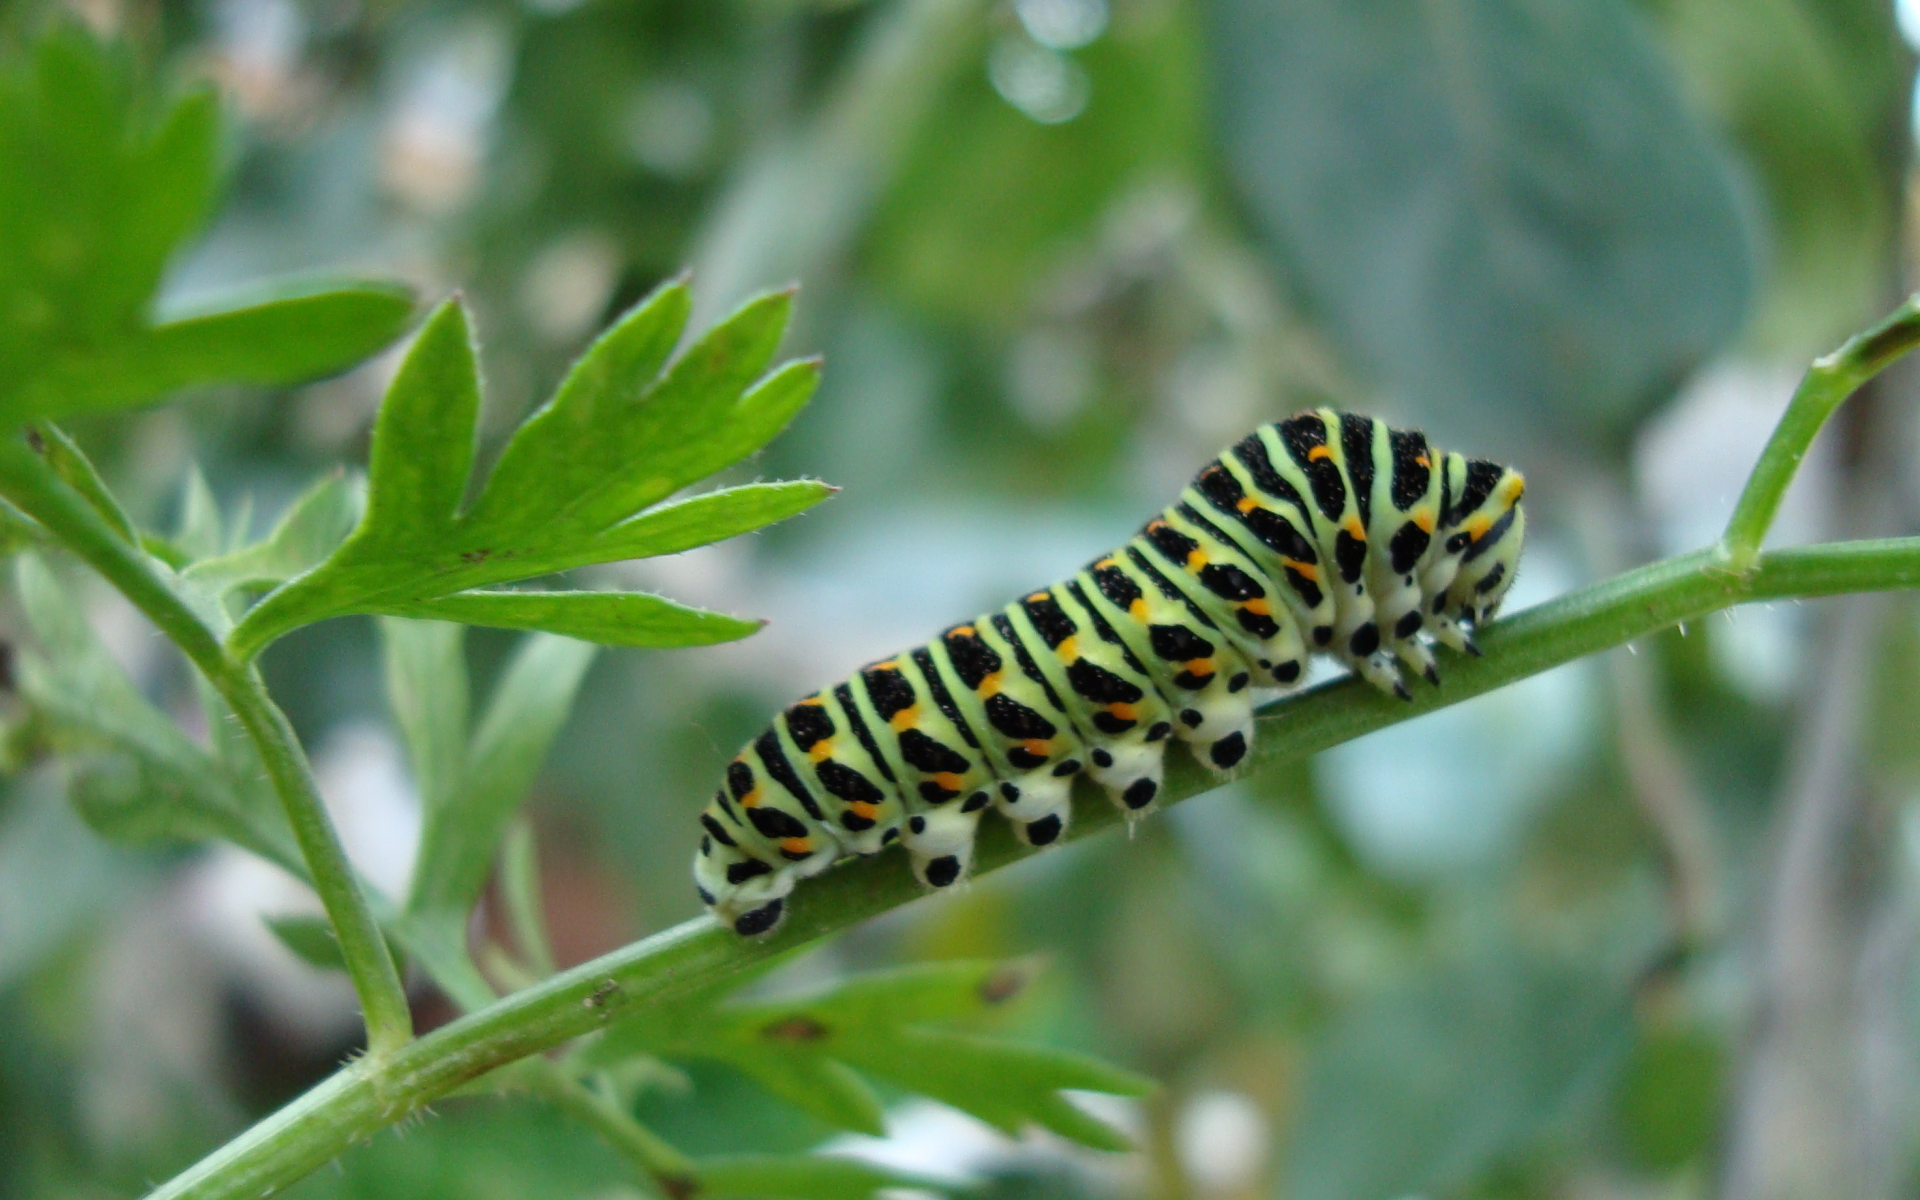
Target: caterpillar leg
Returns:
[[745, 893], [1379, 670], [939, 843], [1418, 656], [1130, 770], [1039, 803], [1218, 724]]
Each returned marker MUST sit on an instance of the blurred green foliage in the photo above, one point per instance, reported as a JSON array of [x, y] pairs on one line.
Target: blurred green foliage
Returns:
[[1056, 252]]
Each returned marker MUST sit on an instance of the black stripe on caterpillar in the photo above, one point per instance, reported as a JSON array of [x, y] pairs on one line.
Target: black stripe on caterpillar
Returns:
[[1325, 533]]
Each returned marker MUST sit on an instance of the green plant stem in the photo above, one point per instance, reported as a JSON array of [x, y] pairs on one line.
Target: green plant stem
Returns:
[[32, 486], [367, 1096], [1828, 382], [672, 1172]]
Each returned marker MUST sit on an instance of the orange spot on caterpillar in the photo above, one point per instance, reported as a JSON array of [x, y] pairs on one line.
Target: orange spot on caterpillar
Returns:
[[860, 808], [1423, 520], [1068, 651], [1516, 487], [964, 631], [751, 799], [1137, 610], [1103, 564], [1318, 453], [1038, 597], [905, 719], [1305, 570], [1198, 666], [1196, 560], [990, 686], [822, 750], [948, 780], [1126, 712], [1422, 461], [1352, 526], [1477, 528], [813, 700], [797, 845], [1038, 747], [1259, 606]]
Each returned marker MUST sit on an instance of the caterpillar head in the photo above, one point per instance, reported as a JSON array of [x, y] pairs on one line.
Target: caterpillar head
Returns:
[[1495, 526]]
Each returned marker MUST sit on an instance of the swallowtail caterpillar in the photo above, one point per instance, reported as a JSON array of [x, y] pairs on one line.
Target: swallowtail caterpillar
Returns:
[[1327, 533]]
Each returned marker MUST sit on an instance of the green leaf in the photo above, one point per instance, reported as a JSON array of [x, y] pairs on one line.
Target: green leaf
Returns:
[[1429, 1084], [270, 344], [575, 486], [428, 691], [310, 937], [1496, 207], [76, 470], [100, 185], [611, 618], [135, 775], [806, 1177], [805, 1050], [464, 827], [314, 524]]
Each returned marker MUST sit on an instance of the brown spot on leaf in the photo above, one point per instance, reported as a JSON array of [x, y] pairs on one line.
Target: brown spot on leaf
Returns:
[[796, 1029], [677, 1187], [1003, 985]]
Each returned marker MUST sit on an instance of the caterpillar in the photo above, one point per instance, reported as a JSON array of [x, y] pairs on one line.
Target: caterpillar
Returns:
[[1326, 533]]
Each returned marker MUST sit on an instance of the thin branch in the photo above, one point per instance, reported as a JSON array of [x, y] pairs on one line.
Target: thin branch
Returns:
[[367, 1096], [32, 486], [1828, 382]]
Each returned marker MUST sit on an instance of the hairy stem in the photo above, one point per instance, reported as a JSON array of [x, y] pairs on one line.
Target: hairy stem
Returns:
[[33, 487], [1828, 382], [369, 1095]]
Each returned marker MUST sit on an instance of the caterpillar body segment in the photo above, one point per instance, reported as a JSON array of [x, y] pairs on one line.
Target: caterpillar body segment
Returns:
[[1327, 533]]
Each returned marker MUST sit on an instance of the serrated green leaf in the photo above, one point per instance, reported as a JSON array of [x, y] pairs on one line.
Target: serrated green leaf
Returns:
[[135, 775], [642, 448], [610, 618], [274, 343], [708, 518], [99, 187], [618, 437], [463, 830], [314, 524], [807, 1177], [878, 1024]]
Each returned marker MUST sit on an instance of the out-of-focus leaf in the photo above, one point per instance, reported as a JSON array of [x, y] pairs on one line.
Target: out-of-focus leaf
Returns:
[[1668, 1104], [626, 430], [1498, 208], [806, 1177], [54, 876], [878, 1024], [313, 525], [310, 937], [1423, 1087], [464, 825], [99, 186], [136, 776], [1808, 90], [273, 343], [989, 198]]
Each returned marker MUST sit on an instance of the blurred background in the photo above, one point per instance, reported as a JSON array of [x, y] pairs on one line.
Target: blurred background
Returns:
[[1641, 927]]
